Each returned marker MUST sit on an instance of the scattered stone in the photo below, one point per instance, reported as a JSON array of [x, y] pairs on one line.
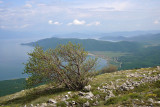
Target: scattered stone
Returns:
[[43, 105], [97, 96], [81, 93], [86, 104], [31, 105], [87, 88], [158, 68], [98, 88], [67, 103], [73, 102], [96, 103], [150, 100], [69, 92], [157, 102], [109, 95], [89, 95], [52, 101]]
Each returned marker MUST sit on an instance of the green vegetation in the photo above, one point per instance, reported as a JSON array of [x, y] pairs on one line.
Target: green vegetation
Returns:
[[90, 44], [11, 86], [66, 64], [146, 57], [108, 69]]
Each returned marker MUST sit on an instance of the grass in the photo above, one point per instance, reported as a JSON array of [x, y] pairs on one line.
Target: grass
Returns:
[[33, 96]]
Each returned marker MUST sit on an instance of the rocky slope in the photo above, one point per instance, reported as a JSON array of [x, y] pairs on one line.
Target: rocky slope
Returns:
[[137, 87]]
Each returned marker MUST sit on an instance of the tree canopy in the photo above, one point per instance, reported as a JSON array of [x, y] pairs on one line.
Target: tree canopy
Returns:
[[68, 64]]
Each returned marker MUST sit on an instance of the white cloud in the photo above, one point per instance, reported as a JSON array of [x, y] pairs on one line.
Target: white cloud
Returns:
[[94, 23], [28, 5], [77, 22], [15, 26], [57, 23], [24, 26], [3, 27], [50, 22], [156, 22], [69, 24]]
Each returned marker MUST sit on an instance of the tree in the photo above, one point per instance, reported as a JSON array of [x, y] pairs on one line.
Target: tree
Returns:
[[68, 64]]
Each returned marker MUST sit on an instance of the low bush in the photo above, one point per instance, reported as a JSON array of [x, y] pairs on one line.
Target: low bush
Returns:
[[108, 69]]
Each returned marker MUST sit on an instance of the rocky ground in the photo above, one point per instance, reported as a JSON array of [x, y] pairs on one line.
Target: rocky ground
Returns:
[[134, 88]]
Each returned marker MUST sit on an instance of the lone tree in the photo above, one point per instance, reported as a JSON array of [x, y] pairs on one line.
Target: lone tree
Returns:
[[66, 64]]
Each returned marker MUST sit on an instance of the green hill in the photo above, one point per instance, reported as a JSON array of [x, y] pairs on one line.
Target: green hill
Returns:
[[90, 44]]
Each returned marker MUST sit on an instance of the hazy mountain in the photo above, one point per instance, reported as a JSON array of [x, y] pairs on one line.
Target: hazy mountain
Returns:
[[125, 36], [146, 38], [114, 36]]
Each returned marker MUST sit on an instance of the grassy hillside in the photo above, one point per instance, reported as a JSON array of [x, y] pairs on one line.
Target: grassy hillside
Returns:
[[137, 87]]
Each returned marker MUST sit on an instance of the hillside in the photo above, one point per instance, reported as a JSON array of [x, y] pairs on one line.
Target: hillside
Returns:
[[90, 44], [137, 87]]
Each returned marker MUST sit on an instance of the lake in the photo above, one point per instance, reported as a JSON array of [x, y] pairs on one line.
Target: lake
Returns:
[[13, 55]]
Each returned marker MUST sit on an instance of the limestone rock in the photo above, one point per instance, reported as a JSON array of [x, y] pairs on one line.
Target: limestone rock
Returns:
[[150, 100], [87, 88], [86, 104], [52, 101]]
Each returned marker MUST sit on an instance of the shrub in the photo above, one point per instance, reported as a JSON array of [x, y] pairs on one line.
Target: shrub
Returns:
[[108, 69], [67, 64]]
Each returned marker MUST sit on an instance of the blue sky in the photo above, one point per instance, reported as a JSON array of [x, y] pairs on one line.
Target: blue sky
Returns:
[[79, 15]]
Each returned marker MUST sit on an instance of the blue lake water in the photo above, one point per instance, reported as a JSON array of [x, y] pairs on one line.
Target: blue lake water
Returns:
[[13, 55]]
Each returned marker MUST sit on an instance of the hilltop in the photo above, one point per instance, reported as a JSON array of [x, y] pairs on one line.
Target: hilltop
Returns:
[[136, 87]]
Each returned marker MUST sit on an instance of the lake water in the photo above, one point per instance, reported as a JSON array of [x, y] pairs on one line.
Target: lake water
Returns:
[[12, 55]]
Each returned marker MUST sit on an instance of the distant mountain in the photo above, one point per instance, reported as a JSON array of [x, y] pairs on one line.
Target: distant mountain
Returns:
[[89, 44], [149, 38], [128, 36]]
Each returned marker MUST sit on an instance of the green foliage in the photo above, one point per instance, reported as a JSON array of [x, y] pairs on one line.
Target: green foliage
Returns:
[[67, 64]]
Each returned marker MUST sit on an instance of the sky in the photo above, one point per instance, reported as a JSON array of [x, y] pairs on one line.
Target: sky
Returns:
[[60, 16]]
